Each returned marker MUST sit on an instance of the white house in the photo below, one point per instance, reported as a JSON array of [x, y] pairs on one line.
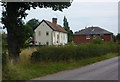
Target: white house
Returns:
[[50, 33]]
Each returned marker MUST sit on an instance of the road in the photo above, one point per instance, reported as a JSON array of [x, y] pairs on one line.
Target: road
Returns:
[[104, 70]]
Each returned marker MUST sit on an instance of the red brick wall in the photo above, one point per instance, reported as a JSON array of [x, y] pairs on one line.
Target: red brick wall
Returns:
[[107, 37], [81, 39]]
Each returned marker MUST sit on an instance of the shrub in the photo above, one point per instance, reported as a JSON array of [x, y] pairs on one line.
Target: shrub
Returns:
[[72, 52], [98, 40]]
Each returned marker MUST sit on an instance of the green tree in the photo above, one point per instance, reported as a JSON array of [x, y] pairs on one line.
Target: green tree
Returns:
[[98, 40], [27, 33], [118, 36], [33, 23], [114, 38], [67, 28], [28, 29], [12, 18], [30, 25]]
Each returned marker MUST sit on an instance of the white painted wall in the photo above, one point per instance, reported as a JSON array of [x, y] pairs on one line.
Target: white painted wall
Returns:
[[43, 38], [62, 40], [52, 38]]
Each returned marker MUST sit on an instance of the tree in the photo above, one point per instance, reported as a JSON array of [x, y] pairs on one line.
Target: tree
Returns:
[[118, 36], [114, 38], [12, 18], [30, 25], [67, 28], [33, 23], [98, 40]]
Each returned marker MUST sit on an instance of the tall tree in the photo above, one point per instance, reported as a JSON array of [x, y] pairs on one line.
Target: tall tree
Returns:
[[30, 25], [118, 36], [12, 18], [67, 28], [33, 23]]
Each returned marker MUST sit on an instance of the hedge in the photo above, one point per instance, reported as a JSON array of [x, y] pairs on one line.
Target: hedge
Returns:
[[72, 52]]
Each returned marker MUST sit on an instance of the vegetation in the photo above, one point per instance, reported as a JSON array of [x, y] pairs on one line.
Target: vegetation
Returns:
[[12, 18], [98, 40], [33, 23], [73, 52], [118, 36], [30, 25], [42, 60], [67, 28], [26, 71]]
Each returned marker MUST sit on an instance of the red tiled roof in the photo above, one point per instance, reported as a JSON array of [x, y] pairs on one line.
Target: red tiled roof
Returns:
[[56, 27]]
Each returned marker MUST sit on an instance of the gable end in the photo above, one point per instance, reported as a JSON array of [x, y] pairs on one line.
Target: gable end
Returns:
[[41, 22]]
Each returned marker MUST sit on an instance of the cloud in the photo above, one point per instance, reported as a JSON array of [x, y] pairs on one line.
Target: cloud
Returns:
[[82, 13]]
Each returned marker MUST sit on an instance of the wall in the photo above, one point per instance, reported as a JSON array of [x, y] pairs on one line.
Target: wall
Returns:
[[107, 37], [62, 40], [81, 39], [43, 38]]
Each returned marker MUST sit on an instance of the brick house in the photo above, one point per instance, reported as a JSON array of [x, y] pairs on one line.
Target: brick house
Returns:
[[88, 34]]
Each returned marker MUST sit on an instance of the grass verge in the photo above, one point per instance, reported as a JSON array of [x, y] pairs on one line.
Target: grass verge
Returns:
[[30, 71]]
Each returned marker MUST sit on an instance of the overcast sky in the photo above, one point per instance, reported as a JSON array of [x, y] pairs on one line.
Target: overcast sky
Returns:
[[83, 13]]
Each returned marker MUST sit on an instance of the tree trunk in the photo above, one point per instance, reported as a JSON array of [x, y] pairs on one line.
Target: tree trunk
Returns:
[[13, 49], [12, 29]]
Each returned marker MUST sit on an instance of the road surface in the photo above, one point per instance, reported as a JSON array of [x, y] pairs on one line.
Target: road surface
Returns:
[[104, 70]]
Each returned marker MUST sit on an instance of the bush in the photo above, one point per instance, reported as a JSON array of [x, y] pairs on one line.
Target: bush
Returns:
[[98, 40], [72, 52]]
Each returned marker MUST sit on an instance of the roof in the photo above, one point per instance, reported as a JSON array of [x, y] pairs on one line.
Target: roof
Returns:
[[92, 30], [53, 26]]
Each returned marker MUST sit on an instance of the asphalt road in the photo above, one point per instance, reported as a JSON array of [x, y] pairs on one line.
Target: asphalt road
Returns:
[[104, 70]]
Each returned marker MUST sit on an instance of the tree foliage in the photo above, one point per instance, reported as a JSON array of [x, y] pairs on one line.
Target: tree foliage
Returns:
[[12, 18], [33, 23], [98, 40], [67, 28], [118, 36]]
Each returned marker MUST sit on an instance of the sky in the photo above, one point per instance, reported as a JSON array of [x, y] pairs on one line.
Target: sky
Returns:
[[81, 14]]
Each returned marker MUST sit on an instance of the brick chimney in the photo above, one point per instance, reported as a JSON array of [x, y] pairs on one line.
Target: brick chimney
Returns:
[[54, 20]]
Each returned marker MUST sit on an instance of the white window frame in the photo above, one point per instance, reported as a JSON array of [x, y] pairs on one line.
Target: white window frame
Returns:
[[95, 36], [88, 37], [102, 36]]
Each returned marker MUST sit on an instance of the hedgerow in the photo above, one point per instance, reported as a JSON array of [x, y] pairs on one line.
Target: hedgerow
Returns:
[[73, 52]]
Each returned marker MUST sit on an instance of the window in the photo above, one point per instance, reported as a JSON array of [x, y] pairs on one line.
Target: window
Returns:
[[39, 43], [102, 36], [47, 33], [57, 36], [54, 34], [88, 37], [94, 36], [39, 33], [47, 43], [64, 37]]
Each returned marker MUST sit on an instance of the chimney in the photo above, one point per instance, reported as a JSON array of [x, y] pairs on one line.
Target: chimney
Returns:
[[54, 20]]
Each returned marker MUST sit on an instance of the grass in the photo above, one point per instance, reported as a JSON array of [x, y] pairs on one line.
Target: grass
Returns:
[[26, 71], [25, 54]]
